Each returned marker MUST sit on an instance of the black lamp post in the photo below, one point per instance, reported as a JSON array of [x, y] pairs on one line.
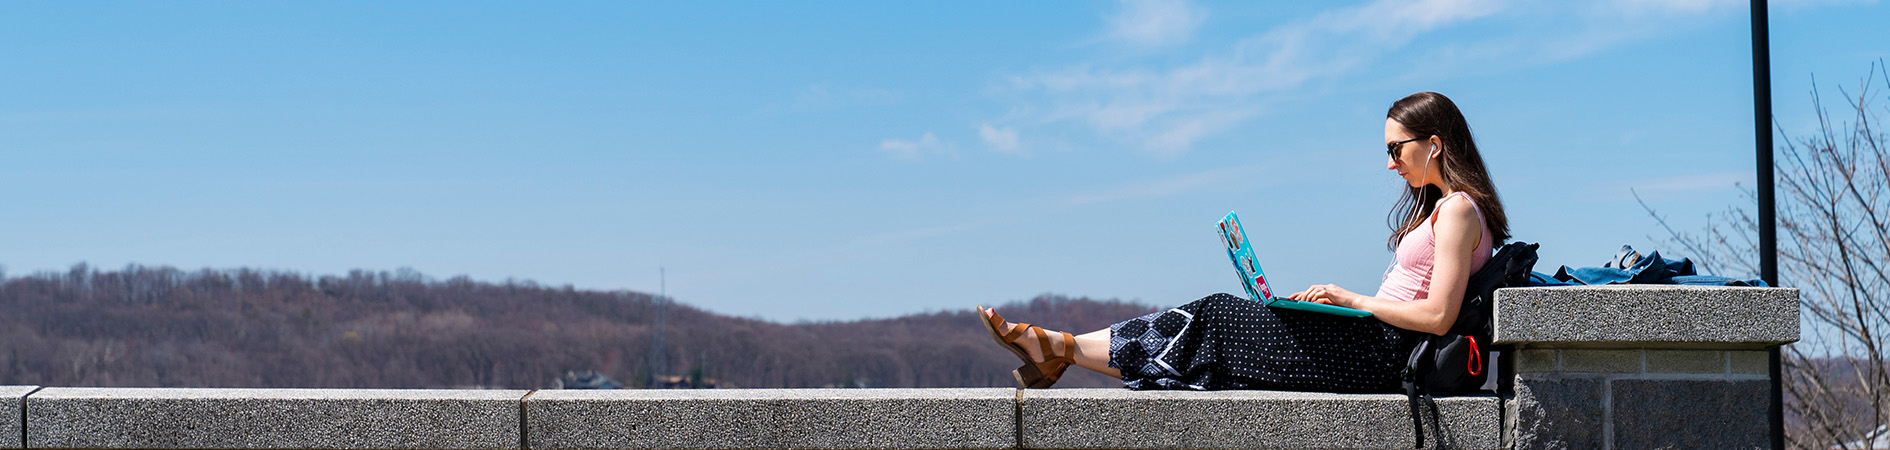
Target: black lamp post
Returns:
[[1768, 224]]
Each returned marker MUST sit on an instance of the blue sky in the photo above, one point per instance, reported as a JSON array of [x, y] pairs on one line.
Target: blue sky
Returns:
[[840, 160]]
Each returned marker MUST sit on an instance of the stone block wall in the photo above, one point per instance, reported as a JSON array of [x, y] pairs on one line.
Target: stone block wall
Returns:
[[1689, 369], [1641, 399]]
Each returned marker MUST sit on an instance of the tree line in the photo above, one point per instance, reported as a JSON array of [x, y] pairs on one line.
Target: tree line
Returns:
[[162, 326]]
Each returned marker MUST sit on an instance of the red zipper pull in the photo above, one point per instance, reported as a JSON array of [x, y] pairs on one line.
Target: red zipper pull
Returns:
[[1476, 357]]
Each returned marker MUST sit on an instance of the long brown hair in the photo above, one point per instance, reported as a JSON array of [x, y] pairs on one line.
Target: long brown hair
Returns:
[[1428, 114]]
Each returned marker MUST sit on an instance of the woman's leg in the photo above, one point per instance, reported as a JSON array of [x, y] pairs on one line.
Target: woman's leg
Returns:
[[1226, 342], [1092, 352]]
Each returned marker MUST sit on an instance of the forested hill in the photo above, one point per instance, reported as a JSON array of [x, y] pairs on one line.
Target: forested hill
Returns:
[[144, 326]]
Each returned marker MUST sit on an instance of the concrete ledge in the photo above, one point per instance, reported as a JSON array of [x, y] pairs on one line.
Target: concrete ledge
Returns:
[[1634, 316], [12, 428], [1594, 367], [1121, 419], [734, 419], [773, 419], [128, 418]]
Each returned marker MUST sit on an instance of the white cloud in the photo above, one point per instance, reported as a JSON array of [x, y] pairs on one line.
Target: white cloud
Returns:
[[1002, 139], [913, 150], [1177, 135], [1672, 7], [1154, 23], [1165, 109]]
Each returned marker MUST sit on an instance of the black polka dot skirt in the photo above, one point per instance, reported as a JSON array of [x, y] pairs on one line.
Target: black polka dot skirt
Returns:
[[1227, 342]]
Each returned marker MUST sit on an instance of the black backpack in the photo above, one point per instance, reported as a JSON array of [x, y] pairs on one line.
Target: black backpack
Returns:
[[1452, 364]]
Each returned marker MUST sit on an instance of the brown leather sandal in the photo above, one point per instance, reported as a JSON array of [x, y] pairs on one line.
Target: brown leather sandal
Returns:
[[1033, 374]]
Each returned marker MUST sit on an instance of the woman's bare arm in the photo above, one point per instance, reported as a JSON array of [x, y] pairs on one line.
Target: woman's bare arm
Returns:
[[1457, 231]]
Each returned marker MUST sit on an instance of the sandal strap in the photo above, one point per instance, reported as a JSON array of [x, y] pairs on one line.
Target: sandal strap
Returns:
[[997, 323], [991, 317], [1043, 343], [1049, 351], [1069, 345], [1018, 330]]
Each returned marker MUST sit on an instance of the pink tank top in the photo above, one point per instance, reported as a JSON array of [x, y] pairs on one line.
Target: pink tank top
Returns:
[[1409, 277]]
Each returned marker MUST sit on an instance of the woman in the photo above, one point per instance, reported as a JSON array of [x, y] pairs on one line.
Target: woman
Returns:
[[1443, 228]]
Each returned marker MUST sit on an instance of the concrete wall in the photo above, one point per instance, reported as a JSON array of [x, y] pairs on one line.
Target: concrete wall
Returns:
[[996, 418], [1620, 367], [1568, 386], [272, 418]]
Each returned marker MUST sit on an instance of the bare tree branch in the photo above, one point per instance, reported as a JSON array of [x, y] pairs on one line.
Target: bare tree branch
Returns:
[[1834, 246]]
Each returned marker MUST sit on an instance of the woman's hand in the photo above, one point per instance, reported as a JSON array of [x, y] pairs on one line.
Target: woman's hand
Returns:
[[1330, 294]]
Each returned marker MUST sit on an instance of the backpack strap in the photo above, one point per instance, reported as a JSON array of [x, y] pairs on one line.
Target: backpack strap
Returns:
[[1411, 369], [1436, 429], [1417, 424], [1413, 394]]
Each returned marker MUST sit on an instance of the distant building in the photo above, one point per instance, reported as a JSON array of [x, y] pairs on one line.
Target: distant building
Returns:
[[585, 379], [681, 382]]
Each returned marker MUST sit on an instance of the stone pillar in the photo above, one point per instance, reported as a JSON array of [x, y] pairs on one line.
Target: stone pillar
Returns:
[[1642, 366]]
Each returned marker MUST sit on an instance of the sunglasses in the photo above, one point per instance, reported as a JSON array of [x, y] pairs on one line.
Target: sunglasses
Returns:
[[1391, 149]]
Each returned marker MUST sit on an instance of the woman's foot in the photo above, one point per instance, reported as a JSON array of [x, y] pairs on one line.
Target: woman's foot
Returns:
[[1027, 341], [1045, 354]]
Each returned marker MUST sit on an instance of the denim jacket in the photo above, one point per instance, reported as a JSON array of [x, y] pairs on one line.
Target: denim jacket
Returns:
[[1629, 267]]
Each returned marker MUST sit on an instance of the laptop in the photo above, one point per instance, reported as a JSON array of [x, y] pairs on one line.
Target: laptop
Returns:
[[1255, 279]]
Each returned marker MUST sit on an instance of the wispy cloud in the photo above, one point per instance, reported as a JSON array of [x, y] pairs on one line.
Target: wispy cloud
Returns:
[[1154, 23], [1638, 7], [1635, 8], [1000, 138], [1172, 186], [913, 150], [1182, 132], [1165, 109]]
